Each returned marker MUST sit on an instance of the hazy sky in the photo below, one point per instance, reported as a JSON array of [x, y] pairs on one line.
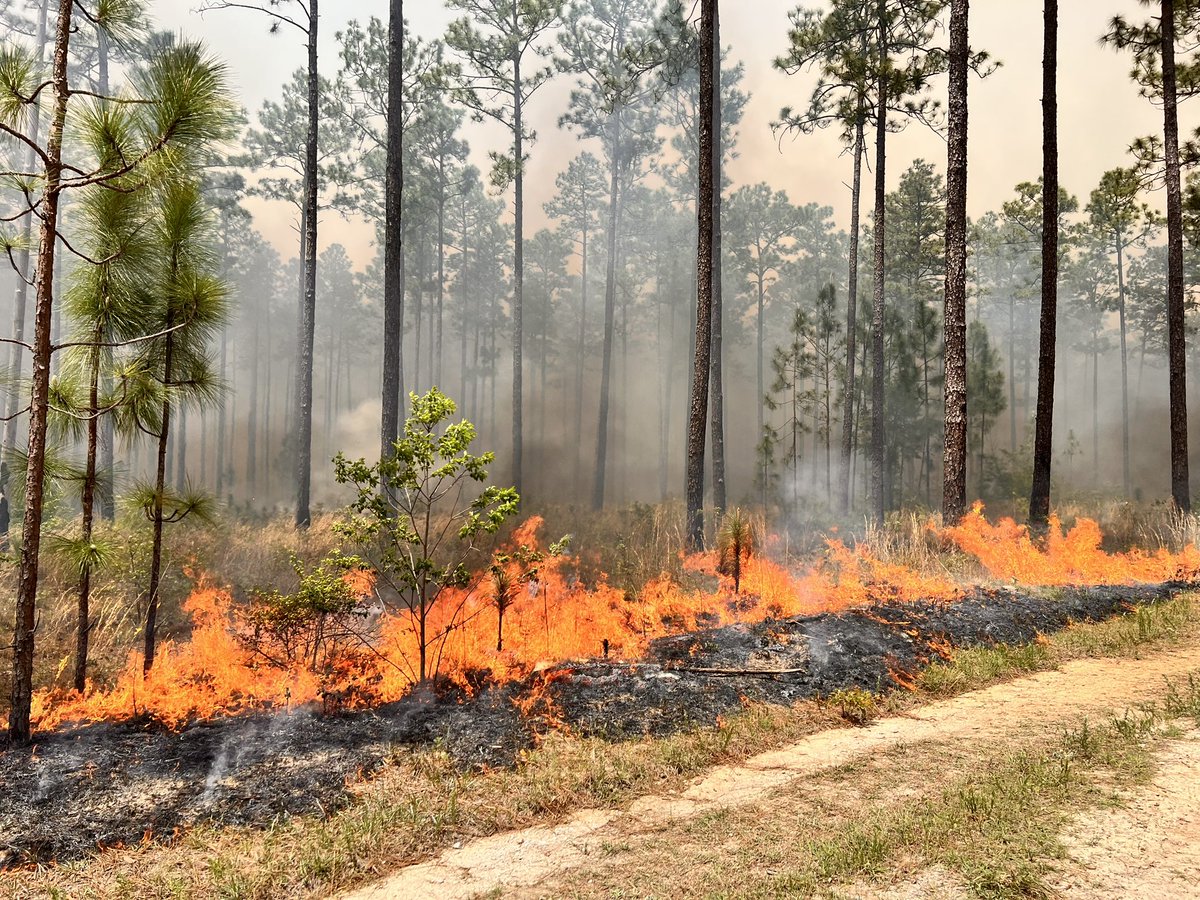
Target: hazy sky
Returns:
[[1100, 112]]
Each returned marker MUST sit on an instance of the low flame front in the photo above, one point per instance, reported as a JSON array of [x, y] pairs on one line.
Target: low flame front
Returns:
[[554, 617]]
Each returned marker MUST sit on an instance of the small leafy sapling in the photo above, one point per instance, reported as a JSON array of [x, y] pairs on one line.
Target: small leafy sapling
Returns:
[[313, 626], [417, 518]]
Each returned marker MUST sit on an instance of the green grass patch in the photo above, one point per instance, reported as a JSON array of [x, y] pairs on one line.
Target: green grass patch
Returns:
[[1144, 628], [997, 829]]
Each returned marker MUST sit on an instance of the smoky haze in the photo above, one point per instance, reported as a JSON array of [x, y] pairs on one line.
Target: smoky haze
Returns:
[[1101, 114]]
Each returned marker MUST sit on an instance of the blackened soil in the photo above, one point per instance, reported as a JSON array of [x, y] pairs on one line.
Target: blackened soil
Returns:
[[110, 784]]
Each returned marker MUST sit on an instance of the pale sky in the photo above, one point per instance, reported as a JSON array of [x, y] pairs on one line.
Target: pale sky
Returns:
[[1100, 111]]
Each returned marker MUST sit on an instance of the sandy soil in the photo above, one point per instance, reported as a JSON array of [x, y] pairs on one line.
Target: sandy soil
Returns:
[[525, 863], [1149, 846]]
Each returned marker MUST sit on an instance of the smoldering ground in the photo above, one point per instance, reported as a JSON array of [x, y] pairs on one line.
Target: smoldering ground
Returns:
[[101, 785]]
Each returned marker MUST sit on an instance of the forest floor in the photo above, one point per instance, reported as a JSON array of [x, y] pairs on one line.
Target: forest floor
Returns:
[[972, 784], [1079, 782]]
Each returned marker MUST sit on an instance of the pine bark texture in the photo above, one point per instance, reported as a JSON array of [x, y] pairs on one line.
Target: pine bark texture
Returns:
[[1039, 498], [954, 487], [31, 532], [697, 414], [878, 442], [1176, 337], [393, 248], [716, 363], [308, 308]]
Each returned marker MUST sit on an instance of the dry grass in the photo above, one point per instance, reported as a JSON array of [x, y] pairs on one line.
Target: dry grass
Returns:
[[421, 802], [986, 815], [1144, 629], [1127, 525], [242, 555], [911, 539], [629, 546]]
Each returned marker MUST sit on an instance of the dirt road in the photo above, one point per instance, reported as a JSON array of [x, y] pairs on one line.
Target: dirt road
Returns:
[[540, 861]]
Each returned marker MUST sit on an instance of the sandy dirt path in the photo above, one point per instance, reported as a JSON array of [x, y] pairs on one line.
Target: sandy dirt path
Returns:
[[516, 863], [1149, 847]]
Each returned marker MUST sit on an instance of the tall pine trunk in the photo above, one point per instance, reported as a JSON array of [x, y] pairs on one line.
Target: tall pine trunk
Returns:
[[610, 312], [878, 460], [393, 243], [1176, 336], [1126, 480], [697, 418], [160, 478], [88, 501], [1039, 497], [107, 437], [954, 483], [308, 309], [31, 533], [717, 380], [844, 474], [518, 310]]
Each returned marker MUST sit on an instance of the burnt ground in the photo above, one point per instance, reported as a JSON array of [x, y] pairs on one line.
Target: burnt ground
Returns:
[[108, 784]]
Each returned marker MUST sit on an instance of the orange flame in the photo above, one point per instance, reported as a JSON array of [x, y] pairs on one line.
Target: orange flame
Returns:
[[555, 617], [1007, 551]]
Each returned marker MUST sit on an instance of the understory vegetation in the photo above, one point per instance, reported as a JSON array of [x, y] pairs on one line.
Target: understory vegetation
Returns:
[[421, 801]]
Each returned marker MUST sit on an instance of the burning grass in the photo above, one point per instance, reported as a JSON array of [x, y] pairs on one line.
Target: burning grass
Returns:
[[567, 609], [221, 731], [424, 800]]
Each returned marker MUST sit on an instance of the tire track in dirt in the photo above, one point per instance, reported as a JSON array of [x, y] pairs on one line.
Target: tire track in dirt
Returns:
[[516, 861]]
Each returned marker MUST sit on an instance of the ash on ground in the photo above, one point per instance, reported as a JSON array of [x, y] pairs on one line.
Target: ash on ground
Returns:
[[102, 785]]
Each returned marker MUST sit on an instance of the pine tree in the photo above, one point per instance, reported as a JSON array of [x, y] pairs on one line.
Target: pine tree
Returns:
[[180, 105], [611, 45], [954, 459], [1156, 46], [1122, 221], [1039, 498], [497, 40], [577, 206], [189, 306], [304, 16]]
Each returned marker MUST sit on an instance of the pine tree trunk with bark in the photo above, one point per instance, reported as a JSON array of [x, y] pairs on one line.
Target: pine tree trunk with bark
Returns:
[[88, 501], [697, 418], [1176, 336], [1039, 498], [393, 247], [308, 308], [954, 486], [717, 378], [31, 533], [878, 460]]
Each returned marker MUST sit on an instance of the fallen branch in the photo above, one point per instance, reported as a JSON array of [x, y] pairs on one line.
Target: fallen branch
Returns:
[[736, 672]]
